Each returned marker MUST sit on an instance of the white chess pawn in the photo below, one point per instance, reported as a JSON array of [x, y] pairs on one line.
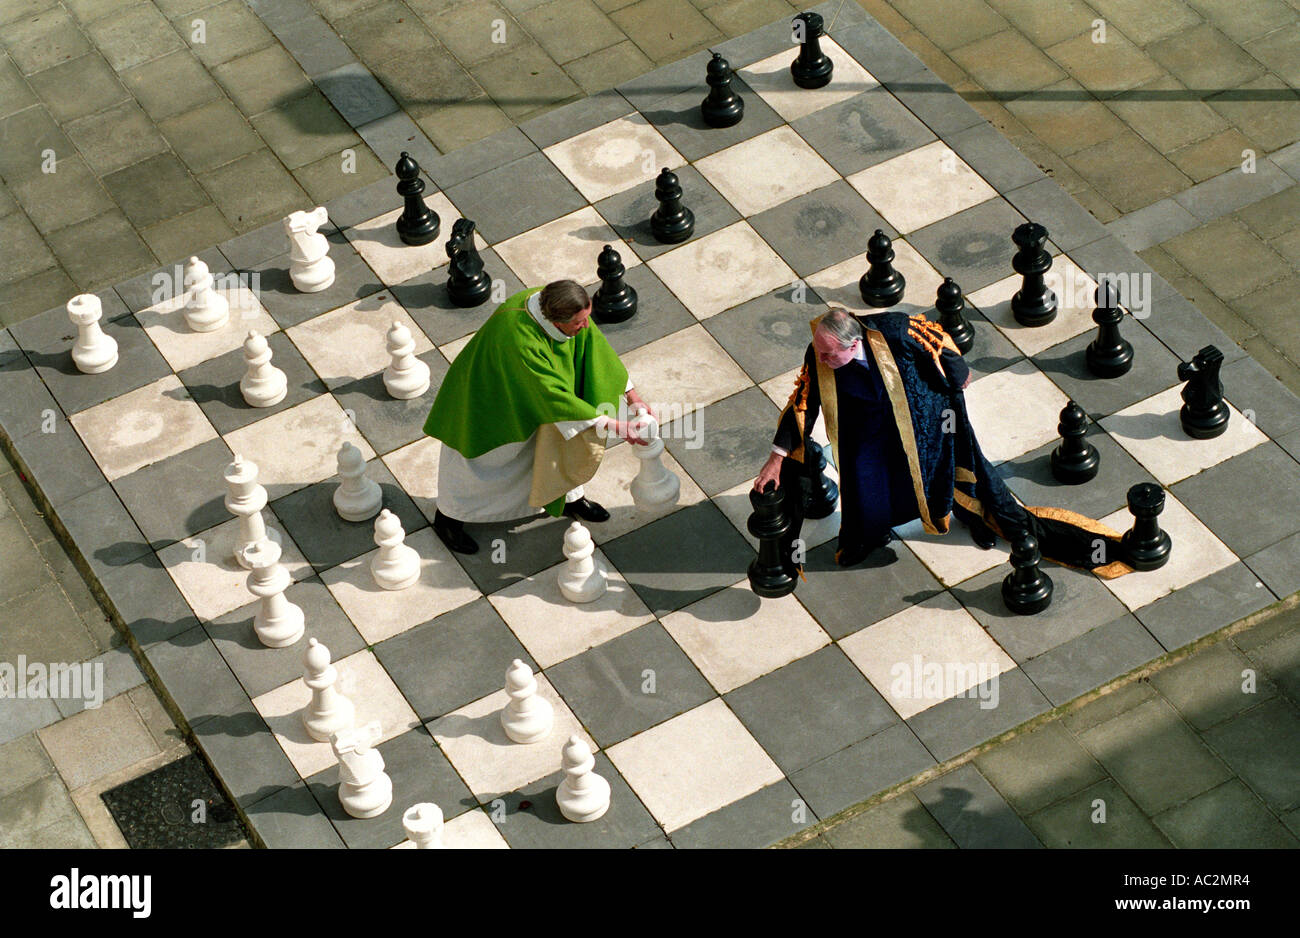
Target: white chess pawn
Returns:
[[583, 795], [245, 499], [654, 484], [310, 267], [423, 825], [365, 790], [357, 497], [329, 711], [205, 309], [406, 376], [582, 578], [396, 566], [263, 385], [278, 622], [94, 351], [527, 717]]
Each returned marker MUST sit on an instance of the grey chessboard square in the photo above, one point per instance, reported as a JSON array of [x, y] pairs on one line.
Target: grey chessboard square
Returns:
[[972, 812], [648, 90], [147, 600], [1272, 407], [291, 819], [973, 246], [821, 228], [862, 131], [659, 312], [1185, 330], [875, 46], [425, 298], [991, 351], [862, 770], [163, 497], [726, 443], [1279, 566], [1093, 658], [420, 773], [934, 102], [24, 399], [357, 206], [163, 283], [950, 728], [768, 335], [58, 462], [1154, 369], [102, 530], [395, 134], [325, 539], [383, 420], [196, 677], [355, 93], [1068, 223], [540, 825], [994, 157], [757, 45], [811, 708], [674, 561], [839, 15], [758, 820], [847, 600], [244, 753], [353, 279], [571, 119], [516, 197], [214, 384], [449, 661], [261, 669], [1030, 478], [528, 544], [604, 686], [1266, 508], [482, 156], [628, 212], [248, 250], [1205, 606], [680, 121], [1109, 255]]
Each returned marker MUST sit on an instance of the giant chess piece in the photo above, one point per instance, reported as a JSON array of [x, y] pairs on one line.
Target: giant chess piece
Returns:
[[527, 717], [769, 575], [881, 286], [1026, 590], [467, 284], [1076, 460], [328, 712], [94, 351], [722, 107], [263, 384], [406, 377], [205, 310], [396, 566], [582, 578], [418, 224], [1204, 414], [582, 795], [278, 622], [672, 222], [1110, 354], [1145, 545], [822, 494], [423, 825], [245, 499], [655, 484], [310, 267], [811, 68], [614, 301], [357, 498], [1034, 303], [949, 304], [365, 790]]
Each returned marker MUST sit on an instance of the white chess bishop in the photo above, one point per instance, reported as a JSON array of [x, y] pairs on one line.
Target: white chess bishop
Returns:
[[527, 717], [205, 309], [278, 622], [357, 498], [423, 825], [582, 578], [263, 385], [94, 351], [310, 267], [406, 377], [328, 712], [654, 484], [583, 795], [365, 790], [396, 566]]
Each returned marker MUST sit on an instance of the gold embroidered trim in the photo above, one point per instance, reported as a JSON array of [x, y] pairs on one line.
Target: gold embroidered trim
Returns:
[[903, 418], [964, 475]]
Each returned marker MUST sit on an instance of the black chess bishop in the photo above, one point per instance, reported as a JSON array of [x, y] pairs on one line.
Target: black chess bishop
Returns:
[[418, 224], [820, 493], [722, 107]]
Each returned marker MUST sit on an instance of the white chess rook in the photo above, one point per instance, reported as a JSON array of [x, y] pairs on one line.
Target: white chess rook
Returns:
[[205, 309], [94, 351], [654, 484], [406, 377], [263, 385], [278, 622], [365, 790], [245, 499], [582, 578], [583, 795], [423, 825], [357, 498], [310, 267], [526, 718], [328, 712], [396, 566]]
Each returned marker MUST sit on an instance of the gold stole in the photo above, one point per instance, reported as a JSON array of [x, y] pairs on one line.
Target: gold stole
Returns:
[[560, 465]]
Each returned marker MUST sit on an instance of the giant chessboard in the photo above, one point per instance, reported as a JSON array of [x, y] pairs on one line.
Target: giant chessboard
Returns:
[[719, 718]]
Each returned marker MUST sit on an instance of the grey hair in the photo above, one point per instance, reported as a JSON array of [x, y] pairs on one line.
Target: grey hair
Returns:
[[841, 325]]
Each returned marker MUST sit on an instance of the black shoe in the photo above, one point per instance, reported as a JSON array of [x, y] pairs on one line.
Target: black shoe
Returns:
[[854, 554], [452, 533], [983, 536], [586, 510]]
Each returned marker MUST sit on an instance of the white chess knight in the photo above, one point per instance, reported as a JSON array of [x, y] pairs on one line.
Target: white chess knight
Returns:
[[310, 267], [527, 717], [205, 309], [582, 578], [94, 351], [583, 795], [263, 385], [365, 790], [278, 622], [423, 825], [245, 499], [357, 498], [406, 377], [328, 712], [396, 566], [654, 484]]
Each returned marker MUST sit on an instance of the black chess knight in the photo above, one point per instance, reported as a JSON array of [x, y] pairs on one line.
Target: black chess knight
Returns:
[[467, 284], [1204, 414]]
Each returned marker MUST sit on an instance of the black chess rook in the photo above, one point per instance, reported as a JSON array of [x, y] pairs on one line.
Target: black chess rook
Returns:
[[1026, 590], [722, 107], [672, 222], [614, 301], [881, 286], [467, 284], [1034, 303], [1075, 460], [1145, 546], [418, 224], [812, 67], [949, 304], [821, 494], [1109, 355], [770, 576], [1204, 414]]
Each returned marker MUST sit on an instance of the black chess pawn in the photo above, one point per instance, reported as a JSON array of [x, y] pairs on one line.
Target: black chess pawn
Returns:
[[881, 286], [1145, 546], [949, 304], [1034, 303], [1110, 354], [812, 67], [1204, 414], [1026, 590], [418, 224], [614, 301], [769, 574], [672, 222], [1076, 460], [467, 284], [722, 107], [821, 493]]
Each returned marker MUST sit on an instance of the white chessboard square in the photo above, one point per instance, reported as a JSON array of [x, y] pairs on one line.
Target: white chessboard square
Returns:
[[921, 186], [351, 342], [926, 654], [182, 347], [472, 830], [490, 763], [362, 680], [612, 487], [684, 371], [392, 259], [772, 80], [142, 427], [453, 348], [734, 636], [693, 764], [1195, 554], [1014, 410], [838, 285], [1152, 433], [722, 270], [780, 388], [1074, 306], [415, 467], [614, 157], [565, 249], [952, 557], [767, 170]]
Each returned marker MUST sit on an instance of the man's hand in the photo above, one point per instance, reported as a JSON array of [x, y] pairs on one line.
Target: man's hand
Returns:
[[771, 472], [626, 430], [637, 403]]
